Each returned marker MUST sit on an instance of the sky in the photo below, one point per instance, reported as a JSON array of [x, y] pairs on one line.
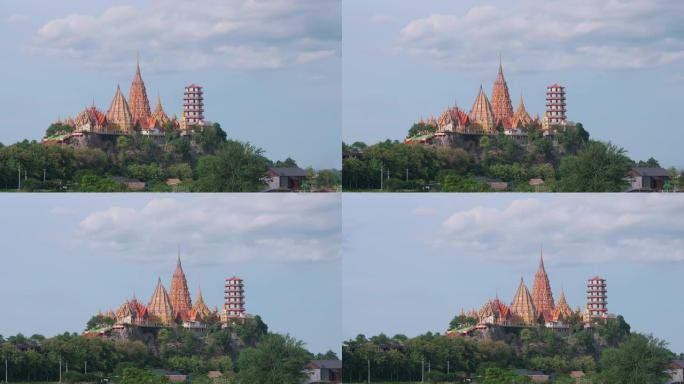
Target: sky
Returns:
[[411, 263], [67, 256], [622, 63], [271, 71]]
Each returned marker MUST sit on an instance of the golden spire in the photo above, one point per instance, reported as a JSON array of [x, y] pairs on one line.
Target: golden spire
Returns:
[[160, 305], [523, 306], [482, 112]]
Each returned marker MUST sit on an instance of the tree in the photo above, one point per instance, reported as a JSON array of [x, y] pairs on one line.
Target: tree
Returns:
[[502, 376], [330, 355], [419, 128], [456, 183], [236, 167], [650, 163], [252, 330], [640, 359], [287, 163], [277, 359], [141, 376], [597, 167]]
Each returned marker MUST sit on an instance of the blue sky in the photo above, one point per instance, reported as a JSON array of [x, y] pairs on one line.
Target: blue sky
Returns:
[[271, 70], [621, 61], [67, 256], [410, 263]]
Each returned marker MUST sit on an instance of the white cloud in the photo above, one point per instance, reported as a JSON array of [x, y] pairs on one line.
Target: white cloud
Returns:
[[178, 34], [540, 35], [17, 18], [575, 229], [217, 228]]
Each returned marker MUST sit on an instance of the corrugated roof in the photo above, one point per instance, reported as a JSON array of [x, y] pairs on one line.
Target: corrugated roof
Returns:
[[330, 364], [288, 171], [644, 171]]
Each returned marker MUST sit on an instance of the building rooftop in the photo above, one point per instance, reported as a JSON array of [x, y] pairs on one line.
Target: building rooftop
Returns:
[[330, 364], [653, 172], [294, 172]]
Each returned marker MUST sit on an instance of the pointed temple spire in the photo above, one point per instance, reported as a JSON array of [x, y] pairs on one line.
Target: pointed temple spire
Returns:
[[137, 98], [521, 118], [179, 294], [501, 99], [119, 114], [482, 112], [541, 290], [160, 305], [522, 306], [562, 308], [200, 310]]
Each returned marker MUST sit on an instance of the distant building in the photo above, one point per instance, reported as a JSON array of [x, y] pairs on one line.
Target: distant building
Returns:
[[285, 179], [234, 300], [193, 105], [597, 298], [173, 377], [535, 376], [131, 184], [324, 371], [644, 179], [555, 106], [676, 370]]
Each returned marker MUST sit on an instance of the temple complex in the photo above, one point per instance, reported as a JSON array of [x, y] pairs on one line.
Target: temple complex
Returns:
[[125, 117], [491, 116], [174, 307], [538, 308]]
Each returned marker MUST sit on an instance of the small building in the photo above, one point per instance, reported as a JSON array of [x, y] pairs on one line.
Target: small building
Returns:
[[173, 377], [676, 370], [131, 184], [214, 375], [643, 179], [535, 376], [285, 179], [324, 371]]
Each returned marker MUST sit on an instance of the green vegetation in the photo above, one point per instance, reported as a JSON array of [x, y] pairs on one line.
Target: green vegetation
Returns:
[[569, 162], [206, 161], [607, 353], [259, 356]]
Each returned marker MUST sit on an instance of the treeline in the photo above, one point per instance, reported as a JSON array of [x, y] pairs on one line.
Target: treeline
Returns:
[[571, 163], [204, 162], [609, 353], [91, 359]]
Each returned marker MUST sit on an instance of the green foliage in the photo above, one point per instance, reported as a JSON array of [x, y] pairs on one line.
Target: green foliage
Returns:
[[456, 183], [502, 376], [145, 172], [420, 128], [287, 163], [460, 321], [276, 359], [236, 167], [99, 321], [209, 139], [141, 376], [92, 183], [650, 163], [252, 330], [58, 128], [640, 359], [597, 167]]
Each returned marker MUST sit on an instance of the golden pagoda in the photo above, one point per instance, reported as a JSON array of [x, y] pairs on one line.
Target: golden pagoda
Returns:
[[562, 310], [137, 99], [119, 114], [160, 306], [160, 117], [501, 100], [200, 311], [522, 306], [179, 294], [482, 113], [541, 290], [521, 118]]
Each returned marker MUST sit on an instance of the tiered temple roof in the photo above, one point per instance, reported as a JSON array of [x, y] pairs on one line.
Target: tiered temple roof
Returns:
[[482, 112], [541, 290], [522, 306], [159, 115], [92, 118], [160, 305], [200, 311], [562, 310], [179, 294], [119, 113], [501, 100], [521, 118], [137, 99]]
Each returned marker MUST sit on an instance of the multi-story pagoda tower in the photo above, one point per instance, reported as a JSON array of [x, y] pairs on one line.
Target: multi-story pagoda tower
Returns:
[[180, 295], [193, 105], [160, 305], [234, 304], [119, 114], [501, 99], [541, 290], [137, 99], [597, 297], [555, 106], [522, 306], [482, 112]]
